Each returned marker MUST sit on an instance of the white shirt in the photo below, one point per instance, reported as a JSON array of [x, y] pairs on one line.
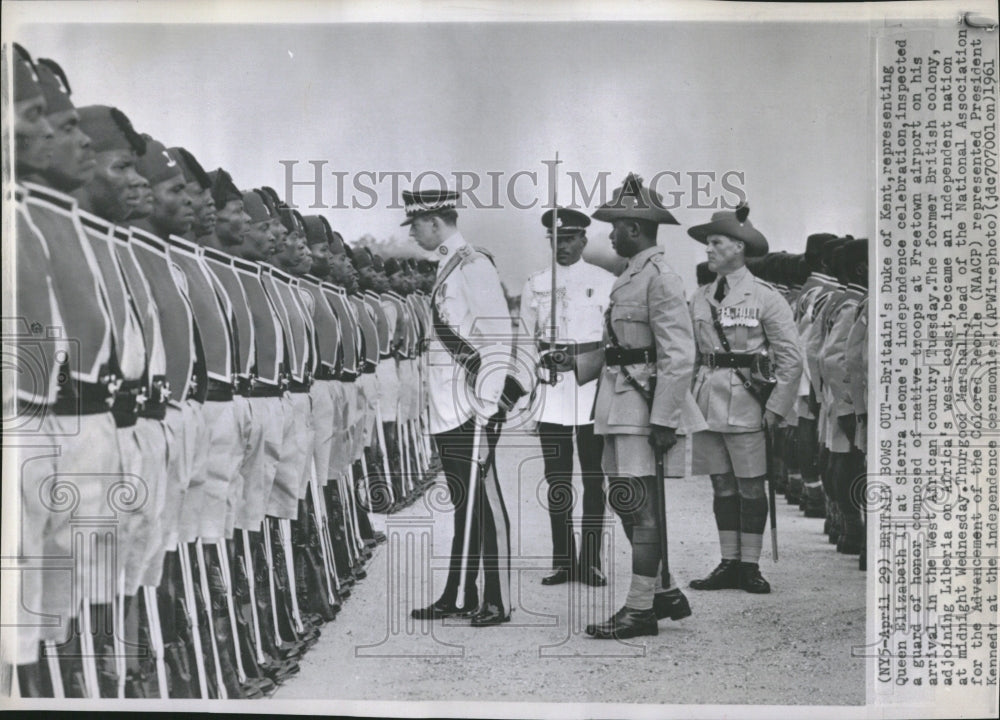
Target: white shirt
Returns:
[[471, 301], [583, 292]]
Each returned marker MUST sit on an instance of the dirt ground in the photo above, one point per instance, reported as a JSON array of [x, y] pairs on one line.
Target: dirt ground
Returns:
[[787, 648]]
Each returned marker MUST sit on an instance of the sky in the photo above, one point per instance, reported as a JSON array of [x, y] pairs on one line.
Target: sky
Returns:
[[783, 105]]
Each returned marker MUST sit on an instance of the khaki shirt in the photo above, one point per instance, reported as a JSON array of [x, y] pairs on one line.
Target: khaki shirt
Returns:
[[759, 321], [648, 309]]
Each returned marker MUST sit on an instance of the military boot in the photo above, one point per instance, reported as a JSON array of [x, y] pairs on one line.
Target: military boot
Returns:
[[624, 624], [751, 580], [671, 604], [813, 500], [725, 576], [793, 488]]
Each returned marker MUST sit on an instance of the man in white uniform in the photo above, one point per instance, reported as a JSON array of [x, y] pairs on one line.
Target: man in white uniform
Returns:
[[563, 408], [468, 363]]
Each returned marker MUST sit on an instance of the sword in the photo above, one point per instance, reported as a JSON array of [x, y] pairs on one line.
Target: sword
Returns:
[[769, 449], [553, 374], [470, 506]]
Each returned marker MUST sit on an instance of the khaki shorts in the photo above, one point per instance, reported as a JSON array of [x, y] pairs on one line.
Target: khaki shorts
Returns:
[[742, 454], [632, 456]]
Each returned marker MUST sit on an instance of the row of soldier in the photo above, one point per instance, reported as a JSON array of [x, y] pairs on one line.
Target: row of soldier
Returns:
[[231, 390], [820, 449]]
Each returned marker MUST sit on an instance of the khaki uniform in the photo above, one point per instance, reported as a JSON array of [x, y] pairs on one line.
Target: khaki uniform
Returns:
[[647, 309], [756, 320]]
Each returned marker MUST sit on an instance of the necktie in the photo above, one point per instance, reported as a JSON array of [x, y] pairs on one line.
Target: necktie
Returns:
[[720, 289]]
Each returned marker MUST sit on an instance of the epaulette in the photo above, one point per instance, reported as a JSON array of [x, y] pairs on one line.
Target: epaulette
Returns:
[[469, 253], [765, 283]]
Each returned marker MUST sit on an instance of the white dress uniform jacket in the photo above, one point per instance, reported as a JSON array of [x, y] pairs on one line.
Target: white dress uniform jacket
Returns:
[[583, 292], [469, 299]]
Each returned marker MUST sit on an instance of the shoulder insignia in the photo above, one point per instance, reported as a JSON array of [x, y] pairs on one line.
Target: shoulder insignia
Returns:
[[765, 283], [469, 254]]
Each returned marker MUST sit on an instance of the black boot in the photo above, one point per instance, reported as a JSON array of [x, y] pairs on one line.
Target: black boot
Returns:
[[751, 580], [30, 683], [813, 501], [671, 604], [624, 624], [725, 576]]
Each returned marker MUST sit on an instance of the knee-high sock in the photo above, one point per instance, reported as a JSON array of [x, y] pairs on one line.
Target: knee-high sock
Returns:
[[726, 507], [753, 517]]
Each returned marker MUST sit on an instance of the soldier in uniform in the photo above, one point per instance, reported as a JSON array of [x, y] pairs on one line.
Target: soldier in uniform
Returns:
[[30, 396], [563, 409], [856, 367], [97, 361], [745, 332], [845, 466], [804, 486], [644, 405], [469, 356]]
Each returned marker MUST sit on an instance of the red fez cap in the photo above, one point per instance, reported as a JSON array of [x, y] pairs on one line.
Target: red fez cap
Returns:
[[55, 86], [254, 206], [362, 258], [26, 82], [271, 201], [193, 171], [291, 219], [109, 129], [156, 165], [337, 245], [224, 190], [315, 230], [392, 266]]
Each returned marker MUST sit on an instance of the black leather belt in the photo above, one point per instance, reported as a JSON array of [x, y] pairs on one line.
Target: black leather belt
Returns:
[[384, 356], [219, 391], [325, 373], [155, 407], [262, 390], [87, 399], [616, 357], [299, 387], [63, 406], [153, 410], [245, 385], [367, 367], [129, 397], [728, 360], [346, 375], [572, 349]]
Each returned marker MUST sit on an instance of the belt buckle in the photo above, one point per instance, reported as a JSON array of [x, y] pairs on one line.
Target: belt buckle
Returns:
[[141, 398], [710, 357]]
